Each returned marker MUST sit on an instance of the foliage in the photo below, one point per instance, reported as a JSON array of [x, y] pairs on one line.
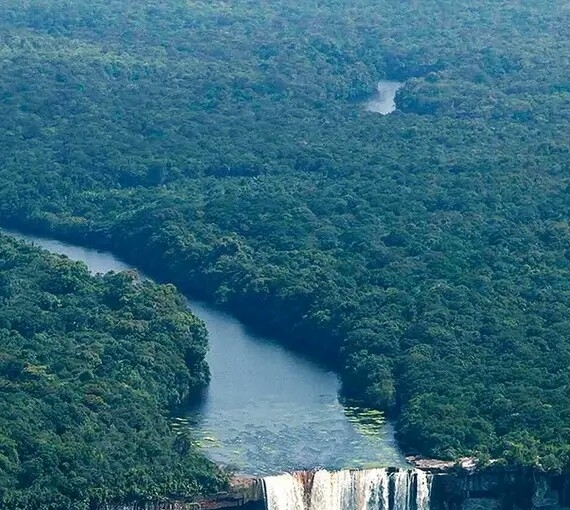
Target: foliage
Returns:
[[222, 146], [89, 367]]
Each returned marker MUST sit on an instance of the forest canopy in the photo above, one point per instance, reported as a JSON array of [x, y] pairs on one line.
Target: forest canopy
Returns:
[[90, 369], [223, 146]]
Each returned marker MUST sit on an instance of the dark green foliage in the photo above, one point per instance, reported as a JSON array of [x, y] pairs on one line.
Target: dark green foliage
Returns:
[[89, 367], [220, 146]]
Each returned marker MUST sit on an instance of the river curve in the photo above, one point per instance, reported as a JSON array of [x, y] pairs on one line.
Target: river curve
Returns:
[[266, 410]]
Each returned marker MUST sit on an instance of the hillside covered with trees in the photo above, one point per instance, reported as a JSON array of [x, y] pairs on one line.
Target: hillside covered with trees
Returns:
[[223, 146], [90, 368]]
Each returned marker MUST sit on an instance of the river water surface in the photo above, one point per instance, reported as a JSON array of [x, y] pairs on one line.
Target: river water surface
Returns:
[[266, 410]]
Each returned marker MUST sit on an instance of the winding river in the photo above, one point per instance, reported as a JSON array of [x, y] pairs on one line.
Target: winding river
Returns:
[[266, 410]]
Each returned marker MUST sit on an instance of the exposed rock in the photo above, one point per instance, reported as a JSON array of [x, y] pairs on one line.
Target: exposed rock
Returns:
[[455, 486], [248, 488], [481, 504], [441, 466]]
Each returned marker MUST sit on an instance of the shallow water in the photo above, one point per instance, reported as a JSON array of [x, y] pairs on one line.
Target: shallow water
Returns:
[[266, 410]]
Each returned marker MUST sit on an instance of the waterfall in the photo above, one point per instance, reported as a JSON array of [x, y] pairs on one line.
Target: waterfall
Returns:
[[423, 490], [284, 492], [367, 489], [402, 492]]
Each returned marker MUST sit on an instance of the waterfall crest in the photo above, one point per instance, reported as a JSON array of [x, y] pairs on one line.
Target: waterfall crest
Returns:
[[284, 492], [368, 489]]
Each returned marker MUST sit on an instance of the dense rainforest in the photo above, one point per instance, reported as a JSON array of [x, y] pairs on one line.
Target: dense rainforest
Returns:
[[90, 369], [224, 147]]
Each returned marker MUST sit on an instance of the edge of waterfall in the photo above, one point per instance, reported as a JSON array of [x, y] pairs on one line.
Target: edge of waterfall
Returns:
[[366, 489]]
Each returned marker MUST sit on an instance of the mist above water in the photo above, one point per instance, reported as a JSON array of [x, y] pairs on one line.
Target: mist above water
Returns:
[[384, 102]]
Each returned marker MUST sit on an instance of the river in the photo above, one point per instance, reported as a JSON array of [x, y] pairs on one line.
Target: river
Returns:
[[266, 410], [385, 100]]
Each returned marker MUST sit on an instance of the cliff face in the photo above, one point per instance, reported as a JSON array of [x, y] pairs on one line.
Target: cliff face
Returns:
[[463, 487], [453, 488], [500, 489]]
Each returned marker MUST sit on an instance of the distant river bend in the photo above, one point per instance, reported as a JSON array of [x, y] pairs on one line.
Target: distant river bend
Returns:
[[266, 410]]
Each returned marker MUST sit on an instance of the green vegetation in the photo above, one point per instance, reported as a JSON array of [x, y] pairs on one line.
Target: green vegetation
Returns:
[[89, 368], [368, 422], [222, 146]]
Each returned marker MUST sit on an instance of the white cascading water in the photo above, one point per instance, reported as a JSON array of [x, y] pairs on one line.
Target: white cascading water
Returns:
[[372, 489], [368, 489], [423, 490], [330, 490], [284, 492], [402, 492]]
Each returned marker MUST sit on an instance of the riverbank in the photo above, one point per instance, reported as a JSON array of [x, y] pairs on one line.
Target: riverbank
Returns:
[[265, 410], [91, 367], [422, 254]]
